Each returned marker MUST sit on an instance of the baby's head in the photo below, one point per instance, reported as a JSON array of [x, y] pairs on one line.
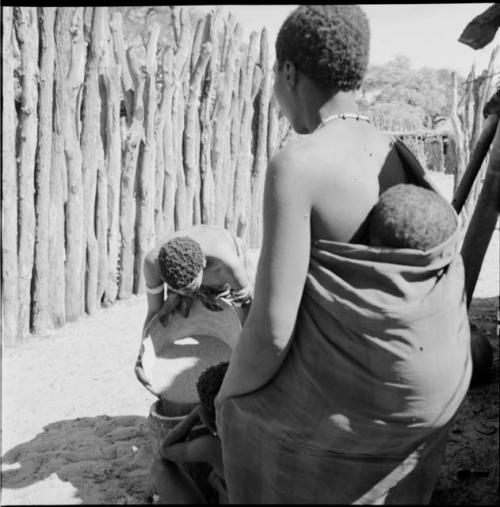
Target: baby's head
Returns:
[[208, 386], [181, 262], [408, 216]]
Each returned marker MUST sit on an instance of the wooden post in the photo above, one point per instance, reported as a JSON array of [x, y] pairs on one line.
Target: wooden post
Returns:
[[129, 168], [160, 120], [484, 91], [248, 89], [234, 137], [170, 176], [145, 188], [191, 163], [9, 187], [102, 216], [207, 116], [484, 219], [26, 23], [113, 162], [459, 136], [41, 271], [260, 159], [116, 26], [58, 191], [200, 37], [466, 113], [180, 216], [181, 72], [75, 244], [220, 154], [92, 153]]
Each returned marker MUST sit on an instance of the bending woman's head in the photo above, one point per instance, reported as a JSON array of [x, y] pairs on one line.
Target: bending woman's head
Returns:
[[327, 43], [181, 263], [408, 216]]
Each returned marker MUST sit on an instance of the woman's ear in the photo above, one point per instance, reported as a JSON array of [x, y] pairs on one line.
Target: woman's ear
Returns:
[[290, 74]]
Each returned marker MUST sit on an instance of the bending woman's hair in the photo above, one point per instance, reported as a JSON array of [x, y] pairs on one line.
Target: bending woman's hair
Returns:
[[181, 259]]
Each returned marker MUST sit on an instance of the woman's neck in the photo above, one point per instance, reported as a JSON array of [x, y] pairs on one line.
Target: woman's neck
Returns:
[[323, 105]]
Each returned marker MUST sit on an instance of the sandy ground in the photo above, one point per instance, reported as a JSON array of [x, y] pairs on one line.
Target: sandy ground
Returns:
[[74, 417]]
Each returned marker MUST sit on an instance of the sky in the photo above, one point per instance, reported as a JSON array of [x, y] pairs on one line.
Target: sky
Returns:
[[426, 33]]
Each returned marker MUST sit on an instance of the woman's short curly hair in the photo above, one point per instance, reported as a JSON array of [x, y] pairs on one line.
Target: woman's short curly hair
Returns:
[[208, 385], [408, 216], [328, 43], [181, 259]]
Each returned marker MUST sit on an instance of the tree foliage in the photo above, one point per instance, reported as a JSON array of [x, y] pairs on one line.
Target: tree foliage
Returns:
[[400, 97]]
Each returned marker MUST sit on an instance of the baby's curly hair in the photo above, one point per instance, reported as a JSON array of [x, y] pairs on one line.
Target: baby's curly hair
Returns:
[[408, 216], [208, 386], [180, 259], [328, 43]]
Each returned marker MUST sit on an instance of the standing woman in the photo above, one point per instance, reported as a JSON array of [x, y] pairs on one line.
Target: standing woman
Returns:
[[353, 359]]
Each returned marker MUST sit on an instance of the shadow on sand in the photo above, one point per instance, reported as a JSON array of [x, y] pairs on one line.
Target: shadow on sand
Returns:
[[106, 459]]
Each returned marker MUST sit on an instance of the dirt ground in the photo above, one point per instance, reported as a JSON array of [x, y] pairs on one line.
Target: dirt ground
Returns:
[[74, 417]]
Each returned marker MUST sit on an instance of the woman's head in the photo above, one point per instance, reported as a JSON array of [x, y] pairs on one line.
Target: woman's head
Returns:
[[181, 263], [329, 44]]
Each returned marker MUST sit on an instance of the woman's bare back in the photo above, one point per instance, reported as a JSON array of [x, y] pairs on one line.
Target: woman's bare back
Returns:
[[349, 165]]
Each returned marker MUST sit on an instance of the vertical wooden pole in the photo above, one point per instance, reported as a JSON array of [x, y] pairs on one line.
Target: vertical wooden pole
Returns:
[[159, 155], [170, 176], [92, 153], [26, 23], [74, 207], [128, 86], [145, 188], [102, 215], [220, 154], [112, 78], [181, 72], [9, 186], [129, 169], [459, 135], [41, 272], [484, 91], [207, 111], [234, 136], [260, 159], [248, 89], [58, 192], [191, 163]]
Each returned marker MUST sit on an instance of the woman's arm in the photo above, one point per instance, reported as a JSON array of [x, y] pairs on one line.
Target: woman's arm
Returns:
[[152, 278], [280, 279]]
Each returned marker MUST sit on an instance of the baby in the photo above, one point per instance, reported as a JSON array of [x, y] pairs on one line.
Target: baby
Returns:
[[408, 216], [184, 446]]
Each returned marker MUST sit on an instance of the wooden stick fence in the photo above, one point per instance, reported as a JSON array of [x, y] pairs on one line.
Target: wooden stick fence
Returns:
[[106, 149]]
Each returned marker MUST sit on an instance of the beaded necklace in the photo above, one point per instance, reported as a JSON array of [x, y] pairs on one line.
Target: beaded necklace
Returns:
[[343, 116]]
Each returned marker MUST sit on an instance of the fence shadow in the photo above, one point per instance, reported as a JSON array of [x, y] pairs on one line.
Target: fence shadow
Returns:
[[106, 459]]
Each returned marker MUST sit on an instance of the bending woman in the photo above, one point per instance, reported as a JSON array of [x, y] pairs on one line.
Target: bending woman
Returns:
[[353, 359], [202, 258]]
